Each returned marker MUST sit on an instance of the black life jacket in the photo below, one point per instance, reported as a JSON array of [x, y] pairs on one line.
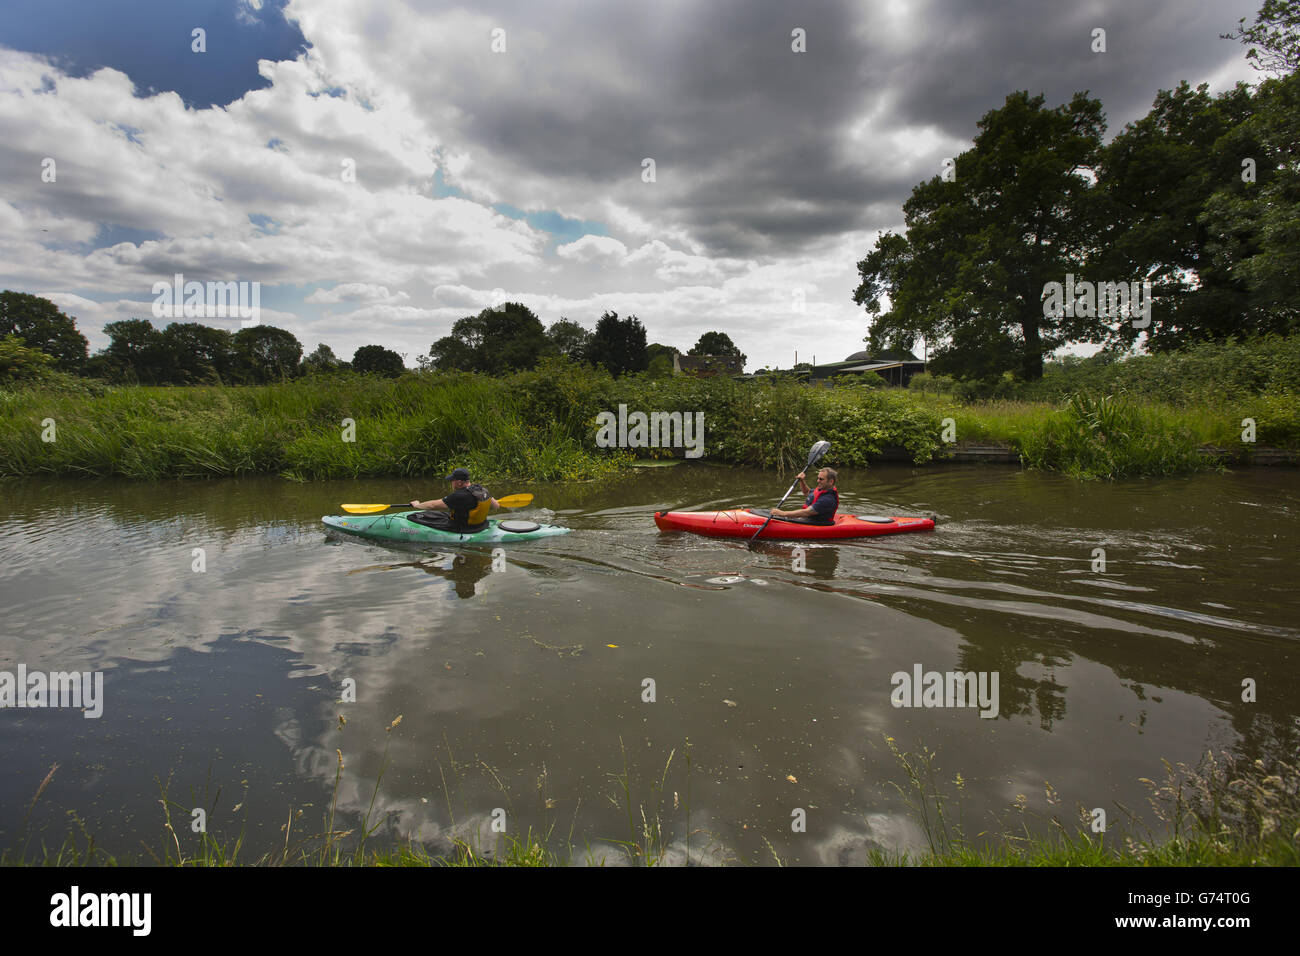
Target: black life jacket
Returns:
[[458, 519]]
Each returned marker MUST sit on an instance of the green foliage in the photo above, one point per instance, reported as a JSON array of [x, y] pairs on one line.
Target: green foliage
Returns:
[[1155, 179], [618, 344], [772, 427], [717, 343], [979, 250], [969, 389], [1277, 419], [541, 423], [196, 354], [1206, 371], [563, 392], [656, 349], [1222, 812], [269, 354], [1201, 197], [190, 353], [1110, 437], [866, 381], [496, 341], [21, 364], [41, 325], [661, 366], [377, 360], [1275, 32], [568, 339], [322, 359], [1203, 373], [135, 352], [1254, 228]]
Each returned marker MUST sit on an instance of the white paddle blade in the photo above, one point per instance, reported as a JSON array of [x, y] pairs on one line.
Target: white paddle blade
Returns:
[[818, 450]]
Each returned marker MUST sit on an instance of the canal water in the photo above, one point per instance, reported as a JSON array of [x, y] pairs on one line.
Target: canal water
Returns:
[[592, 688]]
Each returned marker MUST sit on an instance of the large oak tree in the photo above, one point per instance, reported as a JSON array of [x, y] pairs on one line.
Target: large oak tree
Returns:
[[42, 326], [979, 250]]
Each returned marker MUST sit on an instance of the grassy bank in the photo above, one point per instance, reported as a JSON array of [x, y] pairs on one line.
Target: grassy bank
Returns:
[[1223, 812], [542, 425], [1207, 373]]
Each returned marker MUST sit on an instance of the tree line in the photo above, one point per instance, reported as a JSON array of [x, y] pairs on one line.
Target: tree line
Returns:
[[35, 333], [1200, 198], [512, 337]]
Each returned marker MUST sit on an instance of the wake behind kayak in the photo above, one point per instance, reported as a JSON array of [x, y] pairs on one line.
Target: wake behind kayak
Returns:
[[399, 527], [743, 523]]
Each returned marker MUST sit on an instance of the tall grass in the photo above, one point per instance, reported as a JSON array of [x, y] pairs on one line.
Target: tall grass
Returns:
[[324, 427], [647, 841], [1209, 371], [1110, 437], [1222, 812], [541, 425]]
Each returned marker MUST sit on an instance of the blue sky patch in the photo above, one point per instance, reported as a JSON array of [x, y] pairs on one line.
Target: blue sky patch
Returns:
[[150, 41]]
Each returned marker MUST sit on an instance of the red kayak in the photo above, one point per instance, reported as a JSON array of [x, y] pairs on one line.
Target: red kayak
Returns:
[[743, 523]]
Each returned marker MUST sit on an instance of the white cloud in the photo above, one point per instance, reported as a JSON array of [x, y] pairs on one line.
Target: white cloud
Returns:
[[791, 163], [131, 162], [355, 292], [246, 11], [602, 250]]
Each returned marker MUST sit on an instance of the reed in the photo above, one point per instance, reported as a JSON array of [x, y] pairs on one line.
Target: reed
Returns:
[[540, 425]]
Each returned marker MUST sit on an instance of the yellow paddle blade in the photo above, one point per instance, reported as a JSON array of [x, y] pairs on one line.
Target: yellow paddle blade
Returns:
[[514, 501]]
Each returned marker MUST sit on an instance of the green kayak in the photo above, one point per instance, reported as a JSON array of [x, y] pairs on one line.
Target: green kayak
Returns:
[[399, 527]]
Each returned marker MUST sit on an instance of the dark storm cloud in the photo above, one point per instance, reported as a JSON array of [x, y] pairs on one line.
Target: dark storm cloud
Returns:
[[984, 51], [752, 140]]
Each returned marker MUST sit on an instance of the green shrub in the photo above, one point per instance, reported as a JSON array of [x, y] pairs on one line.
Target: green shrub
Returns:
[[1209, 371], [1110, 437], [541, 424], [1277, 419], [18, 363]]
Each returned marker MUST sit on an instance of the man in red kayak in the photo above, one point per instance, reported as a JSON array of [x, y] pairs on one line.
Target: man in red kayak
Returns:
[[468, 505], [822, 502]]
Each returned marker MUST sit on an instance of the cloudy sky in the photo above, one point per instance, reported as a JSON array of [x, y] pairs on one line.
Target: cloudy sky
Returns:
[[485, 174]]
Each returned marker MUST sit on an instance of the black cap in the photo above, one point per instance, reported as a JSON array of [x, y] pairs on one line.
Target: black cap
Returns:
[[459, 474]]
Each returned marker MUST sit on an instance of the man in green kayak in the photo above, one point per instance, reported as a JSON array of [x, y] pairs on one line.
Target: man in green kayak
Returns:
[[466, 507], [822, 501]]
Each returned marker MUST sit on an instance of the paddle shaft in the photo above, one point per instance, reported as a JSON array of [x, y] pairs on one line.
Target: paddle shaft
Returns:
[[814, 456], [789, 492]]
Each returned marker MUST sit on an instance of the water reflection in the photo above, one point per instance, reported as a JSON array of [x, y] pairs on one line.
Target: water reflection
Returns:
[[815, 560], [464, 569], [775, 663]]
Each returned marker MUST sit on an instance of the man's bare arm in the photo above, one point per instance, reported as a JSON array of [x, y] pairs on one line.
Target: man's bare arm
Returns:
[[801, 513], [435, 505]]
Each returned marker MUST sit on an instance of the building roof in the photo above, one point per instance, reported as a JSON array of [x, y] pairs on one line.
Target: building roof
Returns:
[[884, 355], [698, 363], [871, 367]]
